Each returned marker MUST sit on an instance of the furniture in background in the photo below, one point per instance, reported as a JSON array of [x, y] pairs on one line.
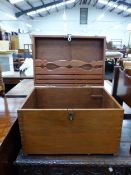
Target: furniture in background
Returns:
[[6, 62], [4, 35], [122, 85], [125, 63], [12, 80], [2, 86], [28, 48], [117, 43], [21, 89], [22, 55], [12, 38], [112, 59], [19, 59], [4, 45], [14, 42], [9, 134]]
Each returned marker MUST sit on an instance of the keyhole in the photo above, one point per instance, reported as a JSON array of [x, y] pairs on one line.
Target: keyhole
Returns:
[[70, 116]]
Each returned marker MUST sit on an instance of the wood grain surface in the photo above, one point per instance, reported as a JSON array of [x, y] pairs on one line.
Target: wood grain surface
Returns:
[[51, 132], [45, 122], [22, 89], [122, 85], [9, 134], [82, 60]]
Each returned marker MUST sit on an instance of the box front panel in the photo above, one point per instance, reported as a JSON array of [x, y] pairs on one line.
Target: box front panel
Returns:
[[70, 131]]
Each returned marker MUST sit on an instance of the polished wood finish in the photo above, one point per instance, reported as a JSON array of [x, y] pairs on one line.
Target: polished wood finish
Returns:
[[22, 89], [67, 97], [15, 78], [80, 164], [9, 134], [60, 62], [11, 81], [45, 121], [75, 164], [68, 82], [2, 86], [25, 87], [122, 85], [69, 118]]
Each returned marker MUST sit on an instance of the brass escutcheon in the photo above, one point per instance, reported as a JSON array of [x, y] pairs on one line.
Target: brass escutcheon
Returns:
[[70, 116]]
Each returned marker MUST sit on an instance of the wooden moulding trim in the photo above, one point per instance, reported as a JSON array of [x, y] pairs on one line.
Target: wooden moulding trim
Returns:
[[68, 77], [78, 87], [64, 63], [79, 109], [69, 85], [67, 71], [45, 81]]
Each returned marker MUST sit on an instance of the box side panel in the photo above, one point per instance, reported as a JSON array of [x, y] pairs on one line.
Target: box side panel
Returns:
[[110, 101], [53, 132], [31, 100]]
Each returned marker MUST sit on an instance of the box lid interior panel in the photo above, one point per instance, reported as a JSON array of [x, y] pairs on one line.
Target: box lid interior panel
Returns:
[[58, 61]]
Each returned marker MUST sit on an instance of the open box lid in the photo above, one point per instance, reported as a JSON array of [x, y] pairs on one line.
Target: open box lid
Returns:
[[68, 60]]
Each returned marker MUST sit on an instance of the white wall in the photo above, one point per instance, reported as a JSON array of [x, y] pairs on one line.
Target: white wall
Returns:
[[54, 24], [7, 22], [24, 38]]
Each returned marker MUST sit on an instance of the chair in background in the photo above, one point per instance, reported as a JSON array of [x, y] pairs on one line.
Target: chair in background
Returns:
[[2, 86], [122, 88], [28, 50], [122, 85], [22, 55]]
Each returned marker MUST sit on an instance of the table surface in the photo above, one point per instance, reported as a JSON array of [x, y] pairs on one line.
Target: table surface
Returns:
[[22, 89], [17, 75], [8, 115], [6, 52]]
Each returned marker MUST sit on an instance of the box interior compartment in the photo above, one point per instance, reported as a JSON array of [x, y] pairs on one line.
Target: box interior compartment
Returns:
[[70, 97]]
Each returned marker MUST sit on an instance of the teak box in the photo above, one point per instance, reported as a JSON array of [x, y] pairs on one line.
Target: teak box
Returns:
[[69, 112]]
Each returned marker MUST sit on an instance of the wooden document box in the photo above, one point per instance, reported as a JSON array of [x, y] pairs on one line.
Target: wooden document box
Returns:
[[76, 116]]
